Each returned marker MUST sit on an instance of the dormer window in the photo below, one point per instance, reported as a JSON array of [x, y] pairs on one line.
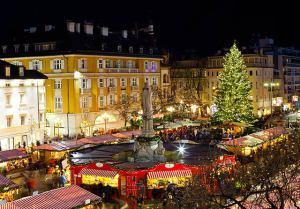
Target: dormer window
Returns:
[[119, 48], [103, 46], [141, 50], [151, 51], [7, 71], [26, 47], [21, 71], [16, 48], [4, 49], [130, 49]]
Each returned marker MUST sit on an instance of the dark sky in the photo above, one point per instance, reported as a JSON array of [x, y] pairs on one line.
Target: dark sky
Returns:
[[181, 24]]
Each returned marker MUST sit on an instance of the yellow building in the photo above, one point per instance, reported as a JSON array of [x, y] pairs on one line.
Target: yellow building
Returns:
[[260, 70], [83, 85]]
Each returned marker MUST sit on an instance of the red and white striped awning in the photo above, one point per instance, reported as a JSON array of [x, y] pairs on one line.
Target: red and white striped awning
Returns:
[[63, 198], [169, 174], [96, 172]]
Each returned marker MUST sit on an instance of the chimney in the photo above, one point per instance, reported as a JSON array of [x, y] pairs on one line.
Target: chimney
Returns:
[[104, 31], [78, 27], [88, 28], [71, 26], [124, 33]]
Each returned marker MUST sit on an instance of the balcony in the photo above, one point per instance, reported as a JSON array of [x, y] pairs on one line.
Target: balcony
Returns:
[[122, 70], [112, 88], [134, 88], [85, 91]]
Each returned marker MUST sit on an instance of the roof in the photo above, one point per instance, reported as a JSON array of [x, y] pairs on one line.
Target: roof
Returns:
[[14, 72], [11, 155], [6, 184], [63, 198]]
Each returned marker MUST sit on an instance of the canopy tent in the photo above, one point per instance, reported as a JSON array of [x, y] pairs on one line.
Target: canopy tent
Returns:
[[6, 184], [9, 155], [63, 198], [169, 125]]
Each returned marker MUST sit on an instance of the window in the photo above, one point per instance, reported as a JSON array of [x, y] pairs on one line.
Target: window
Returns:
[[154, 81], [4, 49], [133, 82], [107, 62], [7, 84], [101, 101], [101, 64], [17, 63], [119, 64], [22, 120], [103, 46], [58, 102], [256, 73], [123, 98], [134, 98], [84, 83], [165, 78], [101, 82], [41, 116], [35, 65], [111, 82], [57, 84], [146, 65], [207, 73], [84, 102], [8, 121], [217, 73], [21, 71], [151, 51], [82, 64], [129, 64], [123, 83], [7, 71], [8, 99], [130, 49], [141, 50], [250, 72], [111, 99], [26, 47], [16, 46], [119, 48], [212, 73], [37, 47], [22, 98], [58, 64]]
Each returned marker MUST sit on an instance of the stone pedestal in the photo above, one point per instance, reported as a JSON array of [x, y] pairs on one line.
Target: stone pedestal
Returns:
[[149, 149]]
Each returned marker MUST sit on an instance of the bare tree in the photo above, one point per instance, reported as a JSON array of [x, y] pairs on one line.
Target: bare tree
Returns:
[[160, 100], [125, 106], [271, 180]]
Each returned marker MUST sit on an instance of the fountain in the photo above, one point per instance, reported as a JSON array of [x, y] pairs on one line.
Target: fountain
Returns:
[[148, 147]]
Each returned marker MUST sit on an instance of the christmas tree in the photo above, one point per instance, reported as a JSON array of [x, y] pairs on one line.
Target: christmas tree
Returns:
[[232, 97]]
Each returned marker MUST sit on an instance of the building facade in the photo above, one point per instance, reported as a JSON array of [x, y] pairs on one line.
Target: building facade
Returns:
[[89, 72], [22, 104]]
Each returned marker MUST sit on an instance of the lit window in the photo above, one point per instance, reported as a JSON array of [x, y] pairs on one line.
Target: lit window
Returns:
[[129, 64], [35, 65], [111, 82], [101, 82], [57, 84], [141, 50], [134, 82], [146, 65], [154, 81], [123, 97], [119, 48], [101, 64], [119, 64], [4, 49], [84, 102], [58, 64], [16, 46], [58, 102], [151, 51], [7, 71], [111, 99], [26, 47]]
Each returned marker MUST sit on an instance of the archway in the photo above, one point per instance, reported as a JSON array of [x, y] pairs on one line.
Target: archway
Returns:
[[104, 122], [85, 127]]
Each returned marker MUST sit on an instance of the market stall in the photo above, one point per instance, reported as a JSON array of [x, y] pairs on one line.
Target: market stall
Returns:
[[247, 145], [11, 160], [69, 197], [7, 189]]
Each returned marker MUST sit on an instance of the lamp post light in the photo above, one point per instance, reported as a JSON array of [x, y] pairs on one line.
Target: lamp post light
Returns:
[[105, 118], [271, 86]]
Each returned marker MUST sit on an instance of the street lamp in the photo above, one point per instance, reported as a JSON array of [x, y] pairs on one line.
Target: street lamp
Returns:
[[271, 85], [105, 118]]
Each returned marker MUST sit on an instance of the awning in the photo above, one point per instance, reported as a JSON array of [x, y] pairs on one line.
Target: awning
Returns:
[[169, 174], [11, 155], [96, 172], [6, 184], [62, 198]]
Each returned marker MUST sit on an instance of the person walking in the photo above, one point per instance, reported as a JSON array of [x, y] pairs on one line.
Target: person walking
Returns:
[[62, 180]]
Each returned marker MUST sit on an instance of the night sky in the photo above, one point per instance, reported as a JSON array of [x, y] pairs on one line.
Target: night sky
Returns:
[[182, 25]]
